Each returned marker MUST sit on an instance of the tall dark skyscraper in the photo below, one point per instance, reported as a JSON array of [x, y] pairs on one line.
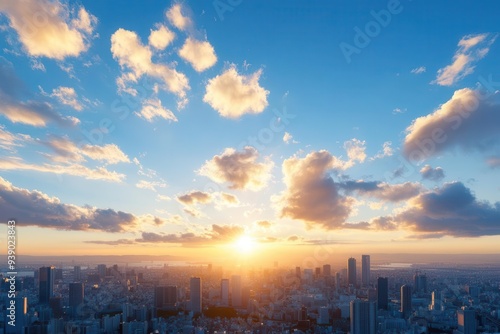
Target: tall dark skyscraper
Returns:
[[77, 273], [467, 321], [363, 316], [327, 270], [195, 294], [365, 270], [351, 271], [45, 284], [383, 293], [76, 294], [224, 292], [406, 308]]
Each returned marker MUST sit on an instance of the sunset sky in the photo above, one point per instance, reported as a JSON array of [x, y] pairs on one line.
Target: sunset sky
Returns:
[[180, 127]]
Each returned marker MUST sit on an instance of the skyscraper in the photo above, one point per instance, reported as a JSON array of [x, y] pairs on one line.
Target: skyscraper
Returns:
[[363, 316], [466, 321], [351, 271], [21, 314], [383, 293], [406, 308], [46, 284], [224, 291], [327, 270], [195, 294], [236, 291], [365, 270], [76, 294], [165, 296], [420, 283]]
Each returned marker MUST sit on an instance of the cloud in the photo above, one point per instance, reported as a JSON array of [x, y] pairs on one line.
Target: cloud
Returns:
[[34, 208], [45, 28], [67, 151], [9, 141], [288, 138], [131, 54], [150, 185], [311, 195], [264, 223], [30, 112], [161, 37], [234, 95], [469, 120], [195, 197], [355, 149], [67, 96], [229, 199], [433, 174], [419, 70], [152, 109], [240, 169], [200, 54], [387, 151], [179, 19], [382, 191], [471, 48], [37, 65], [111, 242], [99, 173], [450, 210]]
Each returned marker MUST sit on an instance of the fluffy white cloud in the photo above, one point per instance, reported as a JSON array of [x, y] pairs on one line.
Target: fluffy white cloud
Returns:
[[45, 29], [161, 37], [471, 48], [240, 169], [150, 185], [200, 54], [355, 149], [234, 95]]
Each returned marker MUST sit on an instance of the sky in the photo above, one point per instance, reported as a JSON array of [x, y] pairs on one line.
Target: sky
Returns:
[[250, 129]]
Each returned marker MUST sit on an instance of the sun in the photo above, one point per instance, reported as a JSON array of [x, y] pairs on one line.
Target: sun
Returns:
[[245, 244]]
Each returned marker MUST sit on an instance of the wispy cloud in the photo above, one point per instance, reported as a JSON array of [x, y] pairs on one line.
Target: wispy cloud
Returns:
[[471, 48]]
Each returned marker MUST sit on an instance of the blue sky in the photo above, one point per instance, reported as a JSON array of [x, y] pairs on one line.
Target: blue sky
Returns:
[[187, 124]]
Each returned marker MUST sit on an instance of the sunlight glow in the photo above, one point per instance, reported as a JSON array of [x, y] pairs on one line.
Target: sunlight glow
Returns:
[[245, 244]]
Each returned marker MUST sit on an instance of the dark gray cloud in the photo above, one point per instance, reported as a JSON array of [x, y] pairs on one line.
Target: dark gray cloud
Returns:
[[451, 210], [382, 191], [34, 208]]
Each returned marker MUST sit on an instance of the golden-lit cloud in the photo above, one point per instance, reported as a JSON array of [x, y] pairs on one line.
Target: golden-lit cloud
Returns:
[[178, 18], [35, 208], [152, 109], [31, 111], [381, 190], [67, 151], [355, 149], [233, 94], [131, 54], [469, 120], [150, 185], [311, 195], [433, 174], [10, 141], [451, 210], [161, 37], [67, 96], [45, 28], [74, 169], [471, 48], [240, 169], [200, 54]]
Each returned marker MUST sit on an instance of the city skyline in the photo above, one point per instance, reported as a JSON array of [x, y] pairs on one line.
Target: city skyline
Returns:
[[250, 131]]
